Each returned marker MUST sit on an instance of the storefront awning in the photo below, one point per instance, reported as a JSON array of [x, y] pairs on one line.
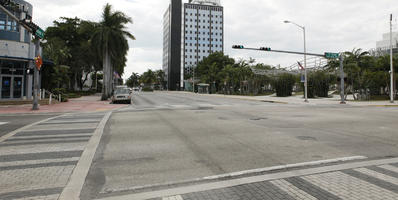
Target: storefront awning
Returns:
[[45, 62], [15, 58]]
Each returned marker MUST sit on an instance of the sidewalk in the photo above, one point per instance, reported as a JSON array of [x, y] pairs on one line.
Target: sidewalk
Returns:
[[299, 100], [83, 104]]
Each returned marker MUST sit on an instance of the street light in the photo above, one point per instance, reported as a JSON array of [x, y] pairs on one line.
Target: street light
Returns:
[[305, 60]]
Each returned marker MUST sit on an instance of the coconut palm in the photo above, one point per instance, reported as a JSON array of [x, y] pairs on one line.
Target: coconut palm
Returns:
[[110, 40]]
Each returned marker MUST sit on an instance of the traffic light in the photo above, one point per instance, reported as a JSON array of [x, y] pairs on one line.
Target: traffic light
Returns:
[[265, 49], [238, 47]]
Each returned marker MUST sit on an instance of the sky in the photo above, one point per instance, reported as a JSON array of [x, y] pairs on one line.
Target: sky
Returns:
[[331, 26]]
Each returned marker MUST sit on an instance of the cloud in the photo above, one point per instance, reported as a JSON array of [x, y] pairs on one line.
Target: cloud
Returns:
[[335, 26]]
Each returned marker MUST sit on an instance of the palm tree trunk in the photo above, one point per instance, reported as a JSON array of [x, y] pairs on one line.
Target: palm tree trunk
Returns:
[[105, 88]]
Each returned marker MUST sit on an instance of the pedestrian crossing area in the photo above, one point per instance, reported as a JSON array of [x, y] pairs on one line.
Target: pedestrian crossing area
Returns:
[[37, 163], [375, 182]]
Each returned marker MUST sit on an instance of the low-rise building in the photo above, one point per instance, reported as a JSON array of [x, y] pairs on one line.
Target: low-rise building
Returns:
[[16, 55]]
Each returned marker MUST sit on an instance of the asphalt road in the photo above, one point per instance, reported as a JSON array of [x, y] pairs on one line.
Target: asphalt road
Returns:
[[9, 123], [170, 137]]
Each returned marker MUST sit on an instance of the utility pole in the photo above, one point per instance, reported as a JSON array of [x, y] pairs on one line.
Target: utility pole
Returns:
[[392, 91], [305, 67]]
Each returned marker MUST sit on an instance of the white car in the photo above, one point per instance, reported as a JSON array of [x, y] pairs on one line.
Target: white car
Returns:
[[122, 95]]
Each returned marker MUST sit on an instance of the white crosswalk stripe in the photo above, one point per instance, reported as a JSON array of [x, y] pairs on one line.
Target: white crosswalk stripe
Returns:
[[378, 175], [178, 197], [2, 123], [292, 190]]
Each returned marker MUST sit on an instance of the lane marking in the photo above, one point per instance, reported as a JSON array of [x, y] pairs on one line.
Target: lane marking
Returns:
[[283, 167], [75, 185], [178, 197], [2, 123]]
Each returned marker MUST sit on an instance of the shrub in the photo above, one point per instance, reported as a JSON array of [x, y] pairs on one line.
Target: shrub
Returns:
[[283, 85], [319, 84], [147, 89]]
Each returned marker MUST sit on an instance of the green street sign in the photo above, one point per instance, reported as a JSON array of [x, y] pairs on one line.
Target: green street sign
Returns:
[[331, 55], [40, 33]]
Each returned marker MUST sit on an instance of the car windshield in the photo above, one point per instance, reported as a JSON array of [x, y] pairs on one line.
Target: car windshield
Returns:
[[122, 91]]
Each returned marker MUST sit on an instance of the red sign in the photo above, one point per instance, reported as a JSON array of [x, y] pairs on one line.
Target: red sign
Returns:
[[38, 62]]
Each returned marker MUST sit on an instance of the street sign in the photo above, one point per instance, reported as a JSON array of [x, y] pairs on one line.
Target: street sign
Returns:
[[38, 62], [40, 33], [331, 55]]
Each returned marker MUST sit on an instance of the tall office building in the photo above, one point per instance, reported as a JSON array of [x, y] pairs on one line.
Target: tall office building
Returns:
[[190, 33]]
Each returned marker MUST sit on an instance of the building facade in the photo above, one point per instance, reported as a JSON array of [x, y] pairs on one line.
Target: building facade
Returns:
[[201, 32], [383, 46], [16, 55]]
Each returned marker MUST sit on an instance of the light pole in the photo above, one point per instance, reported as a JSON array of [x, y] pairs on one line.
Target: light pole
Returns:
[[392, 91], [305, 60]]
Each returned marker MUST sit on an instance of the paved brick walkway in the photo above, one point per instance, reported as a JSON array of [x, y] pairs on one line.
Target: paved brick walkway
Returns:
[[378, 182], [37, 163], [83, 104]]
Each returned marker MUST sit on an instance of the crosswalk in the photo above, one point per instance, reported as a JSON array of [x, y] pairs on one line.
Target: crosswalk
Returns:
[[374, 182], [37, 163]]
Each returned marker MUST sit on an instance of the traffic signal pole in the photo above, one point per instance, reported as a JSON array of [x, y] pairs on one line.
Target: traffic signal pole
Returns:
[[36, 79]]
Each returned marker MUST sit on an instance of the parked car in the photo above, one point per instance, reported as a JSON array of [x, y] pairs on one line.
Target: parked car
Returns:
[[122, 94]]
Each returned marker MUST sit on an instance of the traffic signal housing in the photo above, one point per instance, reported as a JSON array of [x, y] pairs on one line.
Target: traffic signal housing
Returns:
[[265, 49], [238, 47]]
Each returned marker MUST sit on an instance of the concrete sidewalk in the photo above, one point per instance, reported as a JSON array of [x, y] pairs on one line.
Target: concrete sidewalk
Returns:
[[83, 104], [299, 100]]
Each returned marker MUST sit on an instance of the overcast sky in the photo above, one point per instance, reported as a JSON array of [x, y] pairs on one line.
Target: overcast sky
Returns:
[[332, 25]]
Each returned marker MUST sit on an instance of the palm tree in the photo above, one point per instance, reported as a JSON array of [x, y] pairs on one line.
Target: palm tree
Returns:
[[110, 40]]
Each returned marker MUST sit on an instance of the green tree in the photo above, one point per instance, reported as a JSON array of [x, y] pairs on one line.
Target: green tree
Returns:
[[133, 80], [110, 39], [148, 78], [210, 69]]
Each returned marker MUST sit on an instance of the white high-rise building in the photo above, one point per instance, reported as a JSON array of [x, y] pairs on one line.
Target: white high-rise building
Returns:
[[385, 43], [201, 33]]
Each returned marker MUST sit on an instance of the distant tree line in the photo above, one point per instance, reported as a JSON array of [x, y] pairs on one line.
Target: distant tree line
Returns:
[[366, 76]]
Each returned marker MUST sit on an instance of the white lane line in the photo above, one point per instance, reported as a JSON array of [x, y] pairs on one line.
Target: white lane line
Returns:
[[283, 167], [178, 197], [2, 123], [292, 190]]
